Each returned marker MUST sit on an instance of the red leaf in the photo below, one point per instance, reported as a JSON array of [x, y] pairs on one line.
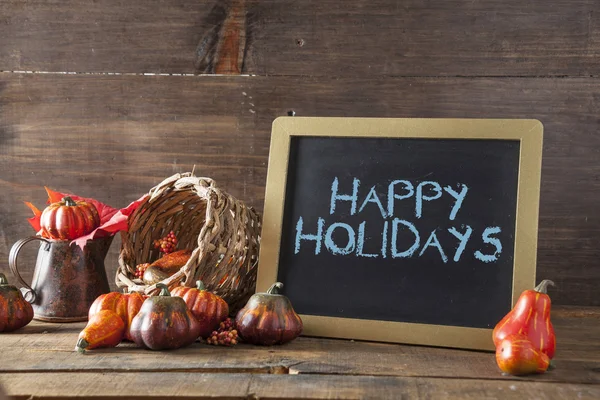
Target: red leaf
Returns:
[[53, 197], [33, 208], [35, 220], [118, 222]]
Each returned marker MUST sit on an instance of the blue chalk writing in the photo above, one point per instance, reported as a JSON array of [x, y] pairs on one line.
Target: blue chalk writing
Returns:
[[344, 197], [490, 240], [463, 237], [413, 248], [334, 248], [433, 241], [392, 194], [373, 198], [384, 240], [420, 196], [304, 236], [459, 197], [361, 242]]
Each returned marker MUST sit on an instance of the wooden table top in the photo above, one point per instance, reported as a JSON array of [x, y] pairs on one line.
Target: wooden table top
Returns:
[[38, 361]]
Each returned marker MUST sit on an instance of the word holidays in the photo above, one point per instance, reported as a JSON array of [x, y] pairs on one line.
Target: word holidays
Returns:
[[340, 238]]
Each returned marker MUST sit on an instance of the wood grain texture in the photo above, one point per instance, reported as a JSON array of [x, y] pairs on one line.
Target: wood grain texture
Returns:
[[144, 385], [222, 49], [114, 137], [39, 362], [48, 348], [309, 38]]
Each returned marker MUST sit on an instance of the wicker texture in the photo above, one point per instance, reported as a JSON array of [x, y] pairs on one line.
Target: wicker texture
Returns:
[[222, 231]]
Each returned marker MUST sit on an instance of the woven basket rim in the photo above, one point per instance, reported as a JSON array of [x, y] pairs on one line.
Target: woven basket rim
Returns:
[[225, 253]]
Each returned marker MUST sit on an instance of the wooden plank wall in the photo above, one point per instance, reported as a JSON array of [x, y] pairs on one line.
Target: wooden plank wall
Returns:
[[105, 98]]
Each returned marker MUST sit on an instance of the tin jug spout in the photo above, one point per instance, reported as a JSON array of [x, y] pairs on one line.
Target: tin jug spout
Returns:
[[66, 279]]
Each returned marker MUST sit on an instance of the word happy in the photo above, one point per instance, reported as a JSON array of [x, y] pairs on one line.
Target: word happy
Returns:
[[343, 239]]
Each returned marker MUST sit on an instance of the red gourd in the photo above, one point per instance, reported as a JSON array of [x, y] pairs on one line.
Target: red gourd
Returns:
[[164, 322], [208, 308], [530, 317], [68, 219], [125, 305], [516, 355], [15, 312]]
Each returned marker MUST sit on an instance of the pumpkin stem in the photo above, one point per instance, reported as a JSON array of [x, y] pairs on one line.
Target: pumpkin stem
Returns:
[[200, 285], [543, 286], [3, 280], [275, 288], [164, 289], [69, 201], [81, 345]]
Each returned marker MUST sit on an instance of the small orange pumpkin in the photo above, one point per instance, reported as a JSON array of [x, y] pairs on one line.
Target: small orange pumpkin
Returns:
[[15, 312], [268, 318], [125, 305], [208, 308], [69, 219]]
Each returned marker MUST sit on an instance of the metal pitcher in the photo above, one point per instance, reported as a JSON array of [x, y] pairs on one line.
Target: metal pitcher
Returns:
[[66, 279]]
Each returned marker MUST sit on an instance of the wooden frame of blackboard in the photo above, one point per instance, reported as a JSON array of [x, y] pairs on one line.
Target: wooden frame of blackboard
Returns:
[[528, 132]]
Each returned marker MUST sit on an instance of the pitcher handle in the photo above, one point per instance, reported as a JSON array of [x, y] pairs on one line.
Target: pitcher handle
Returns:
[[28, 293]]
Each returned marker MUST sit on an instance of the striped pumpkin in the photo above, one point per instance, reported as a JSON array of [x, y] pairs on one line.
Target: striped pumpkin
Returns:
[[208, 308], [15, 312], [68, 219]]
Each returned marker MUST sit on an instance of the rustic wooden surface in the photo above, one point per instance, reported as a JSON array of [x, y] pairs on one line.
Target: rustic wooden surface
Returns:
[[39, 361], [114, 137], [308, 38], [146, 385]]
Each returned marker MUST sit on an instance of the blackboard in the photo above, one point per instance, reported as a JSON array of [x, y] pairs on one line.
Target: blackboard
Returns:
[[411, 230], [470, 290]]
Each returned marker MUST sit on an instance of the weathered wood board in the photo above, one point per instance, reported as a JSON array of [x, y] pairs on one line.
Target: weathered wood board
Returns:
[[310, 38], [39, 360], [146, 385], [114, 137]]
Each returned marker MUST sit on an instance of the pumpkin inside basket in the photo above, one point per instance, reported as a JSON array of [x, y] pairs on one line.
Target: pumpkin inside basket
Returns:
[[222, 232]]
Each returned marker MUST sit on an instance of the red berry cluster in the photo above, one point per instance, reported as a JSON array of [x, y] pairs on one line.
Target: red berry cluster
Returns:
[[167, 244], [140, 269], [226, 335]]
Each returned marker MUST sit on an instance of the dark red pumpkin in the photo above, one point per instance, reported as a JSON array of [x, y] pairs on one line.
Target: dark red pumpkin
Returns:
[[15, 312], [68, 219], [208, 308], [164, 322], [125, 305], [268, 318]]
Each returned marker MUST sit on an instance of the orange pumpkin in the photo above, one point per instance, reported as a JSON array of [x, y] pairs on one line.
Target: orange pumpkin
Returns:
[[125, 306], [15, 312], [68, 219], [208, 308]]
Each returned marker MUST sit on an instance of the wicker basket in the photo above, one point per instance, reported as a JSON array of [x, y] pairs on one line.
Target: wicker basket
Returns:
[[222, 231]]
